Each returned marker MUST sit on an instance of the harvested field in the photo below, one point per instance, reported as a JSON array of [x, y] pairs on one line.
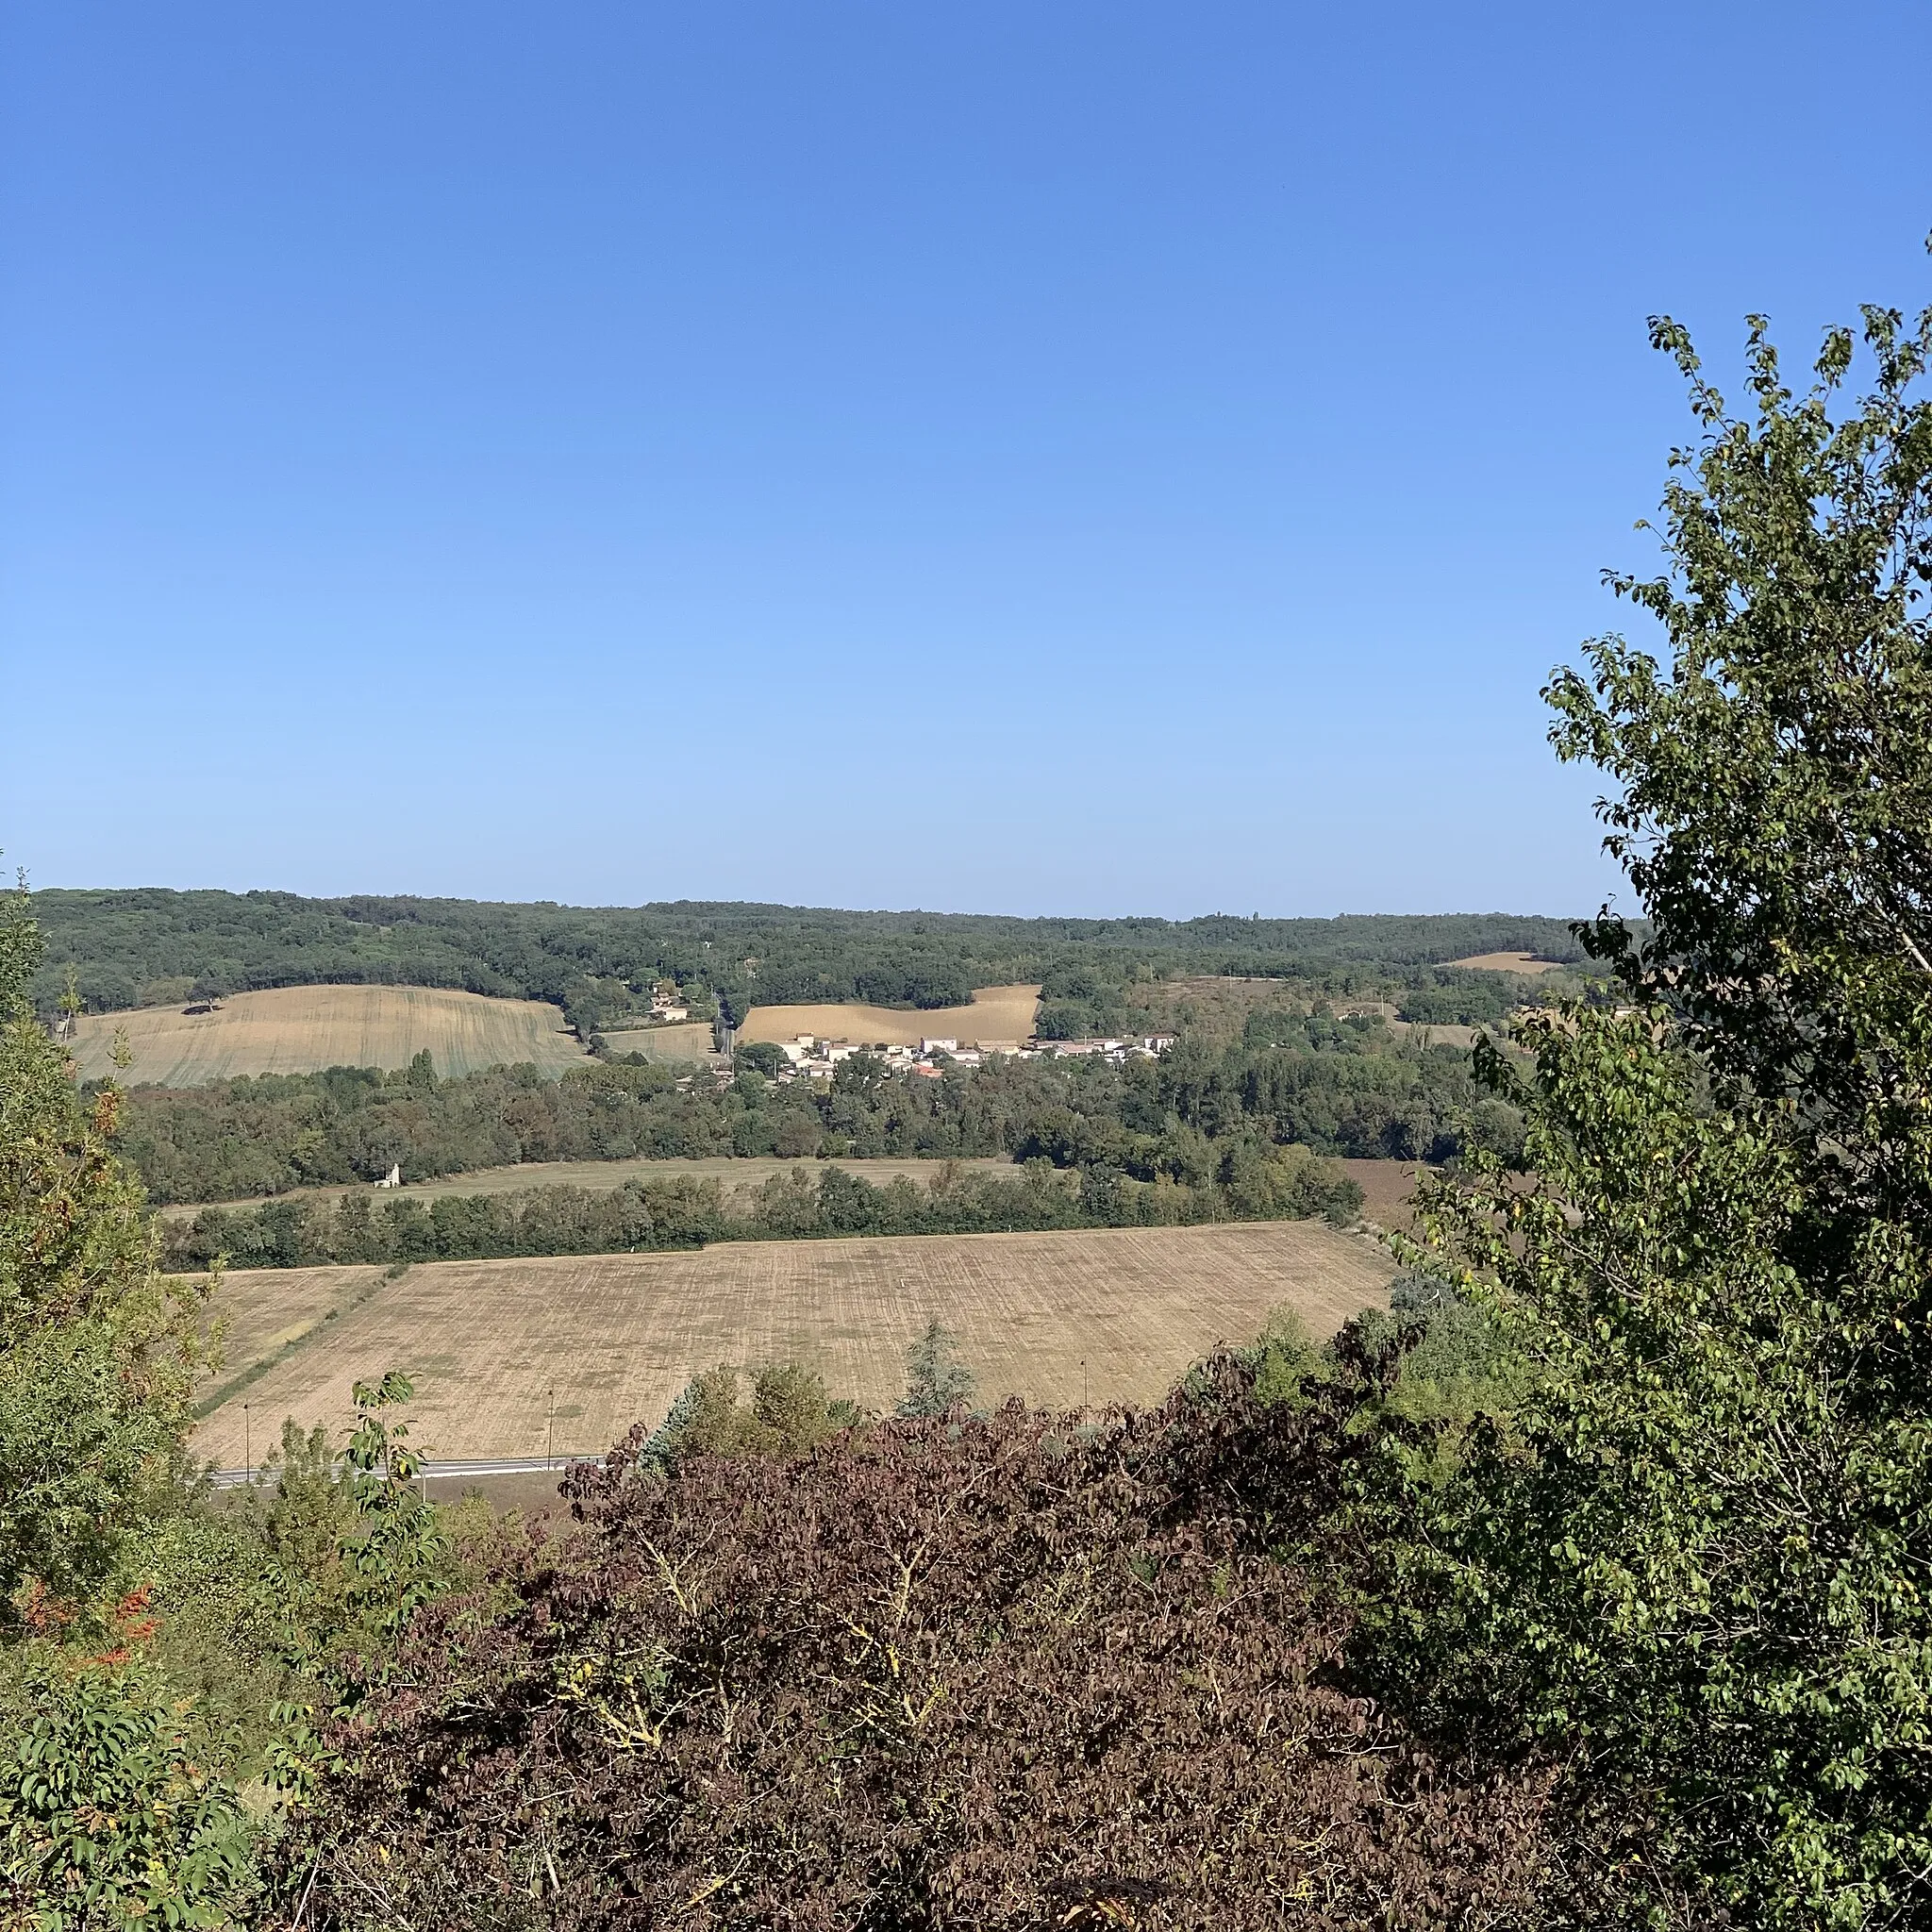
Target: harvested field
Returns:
[[300, 1029], [663, 1043], [997, 1013], [617, 1335], [1507, 962], [736, 1175], [1386, 1186]]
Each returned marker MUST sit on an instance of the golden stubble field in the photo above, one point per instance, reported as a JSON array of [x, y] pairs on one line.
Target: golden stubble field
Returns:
[[1004, 1013], [615, 1337], [300, 1029], [664, 1044], [1507, 962]]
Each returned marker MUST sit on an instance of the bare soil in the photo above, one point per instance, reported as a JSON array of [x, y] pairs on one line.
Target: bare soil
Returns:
[[1507, 962]]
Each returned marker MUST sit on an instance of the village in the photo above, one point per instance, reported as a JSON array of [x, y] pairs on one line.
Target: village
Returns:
[[812, 1057], [817, 1056]]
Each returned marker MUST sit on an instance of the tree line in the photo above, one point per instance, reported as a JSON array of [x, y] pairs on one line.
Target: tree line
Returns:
[[1247, 1183]]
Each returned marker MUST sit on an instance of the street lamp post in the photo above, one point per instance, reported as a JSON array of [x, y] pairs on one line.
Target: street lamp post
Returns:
[[550, 1437], [247, 1443]]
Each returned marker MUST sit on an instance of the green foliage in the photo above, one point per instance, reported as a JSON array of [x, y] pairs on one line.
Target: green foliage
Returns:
[[937, 1381], [395, 1546], [106, 1817], [1283, 1358], [97, 1348], [1695, 1555], [1268, 1183], [1246, 1181], [789, 1413], [1468, 998], [1690, 1551], [1775, 784], [313, 1501], [1338, 1088], [600, 964]]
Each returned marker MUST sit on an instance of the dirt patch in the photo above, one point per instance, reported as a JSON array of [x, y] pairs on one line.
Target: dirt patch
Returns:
[[1386, 1186]]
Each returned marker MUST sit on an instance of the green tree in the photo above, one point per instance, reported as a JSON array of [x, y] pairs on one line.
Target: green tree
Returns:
[[937, 1381], [793, 1405], [393, 1545], [98, 1349], [107, 1814], [105, 1817], [1695, 1556], [789, 1414]]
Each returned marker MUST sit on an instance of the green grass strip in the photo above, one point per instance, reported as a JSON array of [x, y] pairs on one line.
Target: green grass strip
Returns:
[[226, 1392]]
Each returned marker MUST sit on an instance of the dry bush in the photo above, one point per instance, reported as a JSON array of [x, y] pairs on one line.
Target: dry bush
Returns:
[[991, 1673]]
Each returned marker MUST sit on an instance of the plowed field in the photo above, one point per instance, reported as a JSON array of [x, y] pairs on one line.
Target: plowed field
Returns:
[[615, 1337]]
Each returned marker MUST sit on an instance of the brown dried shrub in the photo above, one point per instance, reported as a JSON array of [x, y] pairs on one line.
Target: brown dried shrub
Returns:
[[995, 1672]]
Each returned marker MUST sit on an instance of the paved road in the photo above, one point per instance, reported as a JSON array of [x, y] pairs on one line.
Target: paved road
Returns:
[[447, 1472]]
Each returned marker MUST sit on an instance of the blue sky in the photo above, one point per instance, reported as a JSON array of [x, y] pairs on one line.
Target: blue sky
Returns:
[[1025, 458]]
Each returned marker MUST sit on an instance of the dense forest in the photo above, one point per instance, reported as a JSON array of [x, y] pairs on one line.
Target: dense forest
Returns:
[[153, 947], [1343, 1087]]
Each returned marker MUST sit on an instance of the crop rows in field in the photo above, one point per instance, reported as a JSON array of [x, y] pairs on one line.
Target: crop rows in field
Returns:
[[1004, 1013], [603, 1341], [300, 1029], [667, 1045]]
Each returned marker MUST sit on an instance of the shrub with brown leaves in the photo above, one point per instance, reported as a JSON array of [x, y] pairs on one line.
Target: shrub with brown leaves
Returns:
[[1001, 1672]]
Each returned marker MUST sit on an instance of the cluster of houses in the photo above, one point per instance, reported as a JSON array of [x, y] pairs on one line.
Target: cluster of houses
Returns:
[[667, 1004], [810, 1056]]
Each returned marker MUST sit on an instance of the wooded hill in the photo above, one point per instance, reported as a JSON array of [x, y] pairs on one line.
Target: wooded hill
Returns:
[[153, 945]]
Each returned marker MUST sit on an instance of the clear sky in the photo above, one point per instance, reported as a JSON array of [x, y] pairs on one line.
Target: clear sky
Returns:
[[1029, 457]]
